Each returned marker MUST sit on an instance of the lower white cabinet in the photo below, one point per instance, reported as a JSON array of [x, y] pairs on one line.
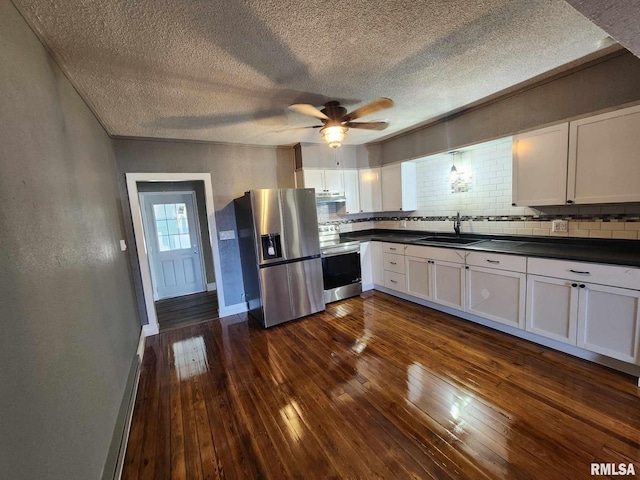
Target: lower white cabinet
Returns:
[[376, 263], [429, 278], [366, 266], [495, 294], [604, 319], [448, 283], [418, 277], [609, 321], [552, 308], [393, 266], [395, 281]]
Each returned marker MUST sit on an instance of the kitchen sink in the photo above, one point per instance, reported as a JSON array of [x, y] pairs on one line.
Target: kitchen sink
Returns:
[[447, 240]]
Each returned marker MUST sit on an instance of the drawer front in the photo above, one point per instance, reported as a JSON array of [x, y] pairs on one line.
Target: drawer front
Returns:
[[613, 275], [395, 281], [512, 263], [435, 253], [393, 262], [393, 248]]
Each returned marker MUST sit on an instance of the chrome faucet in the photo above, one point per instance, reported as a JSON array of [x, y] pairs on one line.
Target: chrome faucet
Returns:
[[456, 224]]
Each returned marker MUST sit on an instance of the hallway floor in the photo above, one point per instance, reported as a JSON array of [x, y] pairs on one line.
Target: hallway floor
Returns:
[[186, 310]]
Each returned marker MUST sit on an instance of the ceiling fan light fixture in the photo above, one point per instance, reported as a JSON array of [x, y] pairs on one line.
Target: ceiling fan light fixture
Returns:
[[334, 135]]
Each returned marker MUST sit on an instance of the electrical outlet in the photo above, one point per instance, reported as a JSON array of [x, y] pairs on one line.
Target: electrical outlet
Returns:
[[403, 224], [227, 235], [559, 226]]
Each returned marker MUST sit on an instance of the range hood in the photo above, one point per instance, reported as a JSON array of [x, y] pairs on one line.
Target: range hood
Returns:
[[329, 197]]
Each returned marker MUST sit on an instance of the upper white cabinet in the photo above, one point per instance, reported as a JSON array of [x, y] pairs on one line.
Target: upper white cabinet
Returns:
[[399, 187], [370, 190], [320, 179], [604, 158], [540, 166], [591, 160], [351, 191]]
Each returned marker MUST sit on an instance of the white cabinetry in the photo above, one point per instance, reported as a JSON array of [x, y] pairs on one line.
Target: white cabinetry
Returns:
[[496, 287], [366, 266], [321, 180], [370, 190], [399, 187], [609, 321], [593, 306], [592, 160], [435, 274], [552, 308], [393, 266], [351, 191], [604, 158], [540, 166], [376, 263]]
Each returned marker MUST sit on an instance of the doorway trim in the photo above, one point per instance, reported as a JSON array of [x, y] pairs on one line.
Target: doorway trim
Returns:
[[152, 328]]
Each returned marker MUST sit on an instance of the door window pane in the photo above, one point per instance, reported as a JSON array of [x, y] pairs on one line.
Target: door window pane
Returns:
[[158, 211], [172, 226]]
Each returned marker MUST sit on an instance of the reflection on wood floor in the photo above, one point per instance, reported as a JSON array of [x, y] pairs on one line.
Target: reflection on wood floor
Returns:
[[375, 387], [186, 310]]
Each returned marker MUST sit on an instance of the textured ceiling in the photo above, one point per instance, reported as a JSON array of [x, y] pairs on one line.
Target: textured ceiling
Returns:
[[619, 18], [225, 71]]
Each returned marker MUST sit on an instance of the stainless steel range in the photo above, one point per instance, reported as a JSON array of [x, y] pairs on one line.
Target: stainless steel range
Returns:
[[341, 272]]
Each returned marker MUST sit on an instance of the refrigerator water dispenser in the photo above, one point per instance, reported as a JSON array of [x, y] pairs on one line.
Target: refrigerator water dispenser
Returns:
[[271, 247]]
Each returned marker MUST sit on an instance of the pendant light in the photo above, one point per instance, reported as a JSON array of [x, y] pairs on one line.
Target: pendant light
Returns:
[[453, 174]]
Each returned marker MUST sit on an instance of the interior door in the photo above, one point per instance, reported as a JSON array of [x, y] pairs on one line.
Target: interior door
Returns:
[[173, 243]]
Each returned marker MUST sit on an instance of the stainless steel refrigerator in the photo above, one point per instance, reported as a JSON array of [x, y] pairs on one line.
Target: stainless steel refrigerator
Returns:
[[280, 254]]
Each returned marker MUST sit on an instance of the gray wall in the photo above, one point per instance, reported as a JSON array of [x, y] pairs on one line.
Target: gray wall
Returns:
[[68, 318], [234, 169], [606, 84]]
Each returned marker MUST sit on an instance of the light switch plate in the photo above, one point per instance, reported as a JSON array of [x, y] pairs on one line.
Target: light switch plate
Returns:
[[123, 246]]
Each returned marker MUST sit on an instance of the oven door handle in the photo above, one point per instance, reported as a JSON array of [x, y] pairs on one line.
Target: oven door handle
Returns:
[[338, 252]]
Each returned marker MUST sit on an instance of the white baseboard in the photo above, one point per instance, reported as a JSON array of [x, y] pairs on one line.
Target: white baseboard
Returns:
[[225, 311], [211, 287], [149, 330], [367, 287], [141, 344], [127, 426]]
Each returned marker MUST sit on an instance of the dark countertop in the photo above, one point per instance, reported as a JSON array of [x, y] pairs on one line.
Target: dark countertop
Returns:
[[616, 252]]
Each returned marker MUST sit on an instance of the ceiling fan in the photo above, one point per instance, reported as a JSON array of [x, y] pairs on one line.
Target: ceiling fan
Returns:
[[336, 121]]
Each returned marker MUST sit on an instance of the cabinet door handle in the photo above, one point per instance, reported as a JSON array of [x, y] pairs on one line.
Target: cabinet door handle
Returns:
[[393, 263], [493, 261], [393, 281], [579, 272], [582, 285], [392, 248], [574, 285]]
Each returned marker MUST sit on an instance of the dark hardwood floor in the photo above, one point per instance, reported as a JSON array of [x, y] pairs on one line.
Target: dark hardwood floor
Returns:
[[374, 387], [186, 310]]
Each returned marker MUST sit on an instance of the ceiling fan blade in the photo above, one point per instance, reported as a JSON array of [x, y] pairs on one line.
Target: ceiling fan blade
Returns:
[[369, 108], [367, 125], [298, 128], [307, 109]]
